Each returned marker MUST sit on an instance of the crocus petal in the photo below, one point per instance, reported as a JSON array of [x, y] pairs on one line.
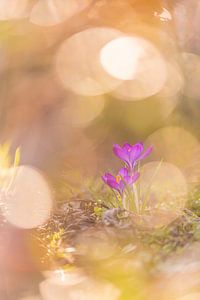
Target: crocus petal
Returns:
[[131, 179], [146, 153], [121, 186], [128, 180], [107, 176], [135, 177], [113, 184], [127, 147], [123, 172], [136, 152], [110, 180], [121, 153]]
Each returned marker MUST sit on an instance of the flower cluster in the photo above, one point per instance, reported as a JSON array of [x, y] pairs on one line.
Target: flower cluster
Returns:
[[127, 176]]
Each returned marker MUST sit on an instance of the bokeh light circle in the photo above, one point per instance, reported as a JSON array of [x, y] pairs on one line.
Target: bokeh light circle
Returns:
[[191, 65], [174, 82], [28, 201], [13, 9], [71, 287], [173, 144], [120, 57], [149, 70], [164, 190], [156, 109], [53, 12], [78, 65], [79, 111]]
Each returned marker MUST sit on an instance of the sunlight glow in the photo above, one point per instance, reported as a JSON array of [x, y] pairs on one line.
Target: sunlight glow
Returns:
[[145, 71], [120, 57], [78, 65]]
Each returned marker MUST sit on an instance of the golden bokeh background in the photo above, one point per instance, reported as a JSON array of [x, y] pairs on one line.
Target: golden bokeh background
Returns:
[[77, 76]]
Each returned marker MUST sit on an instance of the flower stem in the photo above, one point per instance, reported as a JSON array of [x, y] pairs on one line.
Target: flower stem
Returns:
[[136, 198], [116, 197], [148, 189], [124, 201]]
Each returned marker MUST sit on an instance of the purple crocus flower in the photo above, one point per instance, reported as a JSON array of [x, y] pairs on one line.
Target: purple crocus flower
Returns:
[[131, 154], [123, 178]]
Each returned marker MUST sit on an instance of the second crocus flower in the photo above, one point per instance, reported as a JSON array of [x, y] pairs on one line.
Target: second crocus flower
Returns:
[[120, 181]]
